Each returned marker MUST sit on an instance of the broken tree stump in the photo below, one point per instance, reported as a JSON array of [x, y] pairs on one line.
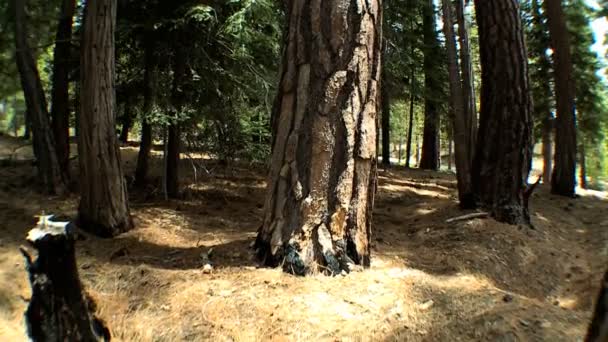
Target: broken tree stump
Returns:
[[59, 310], [598, 330]]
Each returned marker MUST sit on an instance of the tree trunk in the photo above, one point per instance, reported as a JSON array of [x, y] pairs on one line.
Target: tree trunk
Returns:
[[173, 133], [173, 150], [27, 122], [547, 147], [127, 121], [461, 131], [583, 167], [410, 127], [450, 154], [145, 145], [468, 84], [59, 309], [563, 177], [598, 329], [60, 96], [49, 170], [504, 149], [430, 138], [322, 178], [104, 208], [542, 93], [386, 123]]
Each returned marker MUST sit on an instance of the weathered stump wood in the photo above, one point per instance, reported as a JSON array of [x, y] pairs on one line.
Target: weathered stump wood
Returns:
[[598, 330], [59, 309]]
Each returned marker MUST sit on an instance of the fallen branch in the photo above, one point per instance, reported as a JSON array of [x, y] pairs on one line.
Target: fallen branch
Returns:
[[467, 217]]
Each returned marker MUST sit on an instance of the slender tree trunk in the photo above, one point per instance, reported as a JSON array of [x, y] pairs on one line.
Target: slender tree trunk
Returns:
[[468, 85], [461, 131], [27, 133], [60, 96], [450, 154], [49, 170], [564, 168], [504, 149], [598, 329], [104, 208], [430, 138], [386, 124], [408, 145], [173, 151], [544, 95], [173, 133], [127, 121], [583, 167], [145, 145], [322, 177], [547, 147]]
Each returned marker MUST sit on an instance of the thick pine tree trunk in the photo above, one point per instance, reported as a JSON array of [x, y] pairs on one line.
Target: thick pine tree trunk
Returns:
[[563, 178], [461, 130], [60, 96], [386, 123], [598, 329], [49, 170], [322, 177], [104, 208], [468, 84], [59, 309], [430, 137], [145, 145], [504, 147]]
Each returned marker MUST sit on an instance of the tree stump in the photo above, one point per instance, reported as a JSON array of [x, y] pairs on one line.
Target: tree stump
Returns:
[[59, 309]]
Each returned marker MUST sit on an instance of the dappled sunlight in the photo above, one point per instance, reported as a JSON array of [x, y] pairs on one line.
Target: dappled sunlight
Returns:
[[427, 278]]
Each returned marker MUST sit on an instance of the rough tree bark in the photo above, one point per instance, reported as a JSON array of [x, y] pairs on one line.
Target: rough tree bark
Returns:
[[430, 137], [468, 80], [563, 178], [598, 329], [49, 170], [322, 177], [59, 309], [459, 124], [504, 149], [104, 208], [386, 117], [60, 96], [145, 145]]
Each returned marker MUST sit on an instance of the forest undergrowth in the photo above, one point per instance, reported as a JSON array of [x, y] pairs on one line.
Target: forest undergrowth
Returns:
[[429, 280]]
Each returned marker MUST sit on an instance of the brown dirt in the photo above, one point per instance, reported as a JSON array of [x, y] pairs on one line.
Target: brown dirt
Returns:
[[429, 280]]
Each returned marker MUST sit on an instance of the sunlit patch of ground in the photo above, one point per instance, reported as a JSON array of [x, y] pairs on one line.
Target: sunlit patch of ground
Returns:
[[429, 280]]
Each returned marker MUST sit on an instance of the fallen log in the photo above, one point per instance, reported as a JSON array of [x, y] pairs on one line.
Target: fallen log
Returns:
[[59, 309]]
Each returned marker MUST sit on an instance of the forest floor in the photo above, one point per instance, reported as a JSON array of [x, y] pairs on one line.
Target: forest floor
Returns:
[[429, 280]]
